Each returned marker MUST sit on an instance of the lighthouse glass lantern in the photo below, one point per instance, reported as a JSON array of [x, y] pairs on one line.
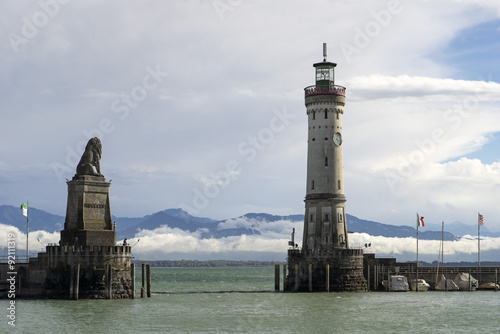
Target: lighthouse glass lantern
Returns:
[[325, 73]]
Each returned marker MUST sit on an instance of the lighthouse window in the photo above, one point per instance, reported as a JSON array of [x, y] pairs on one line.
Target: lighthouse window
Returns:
[[314, 115], [339, 183], [312, 185], [338, 115], [326, 113], [326, 161]]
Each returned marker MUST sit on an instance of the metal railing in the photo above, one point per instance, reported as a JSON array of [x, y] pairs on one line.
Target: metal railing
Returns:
[[324, 90]]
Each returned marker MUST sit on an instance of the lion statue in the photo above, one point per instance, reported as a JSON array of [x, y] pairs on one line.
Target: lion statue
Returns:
[[90, 159]]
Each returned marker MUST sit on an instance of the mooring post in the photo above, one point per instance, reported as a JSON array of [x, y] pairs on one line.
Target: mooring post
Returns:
[[388, 280], [143, 267], [496, 279], [71, 281], [368, 278], [310, 278], [148, 276], [276, 277], [132, 274], [296, 278], [77, 281], [446, 281], [109, 284], [470, 283], [327, 278], [284, 278], [106, 282]]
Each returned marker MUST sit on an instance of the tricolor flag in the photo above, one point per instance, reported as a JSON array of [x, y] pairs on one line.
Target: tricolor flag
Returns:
[[480, 219], [420, 221], [24, 206]]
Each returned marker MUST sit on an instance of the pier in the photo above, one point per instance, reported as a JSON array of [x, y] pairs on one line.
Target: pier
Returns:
[[378, 269]]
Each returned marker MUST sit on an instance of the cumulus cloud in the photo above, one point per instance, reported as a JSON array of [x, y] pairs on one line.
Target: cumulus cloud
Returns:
[[385, 86], [270, 229], [383, 246], [37, 239], [162, 242]]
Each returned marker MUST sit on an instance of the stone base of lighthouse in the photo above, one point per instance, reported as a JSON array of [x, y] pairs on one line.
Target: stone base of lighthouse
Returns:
[[338, 270]]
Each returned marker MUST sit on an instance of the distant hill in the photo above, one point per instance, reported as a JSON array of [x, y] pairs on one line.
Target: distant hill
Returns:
[[377, 229], [180, 219], [127, 227]]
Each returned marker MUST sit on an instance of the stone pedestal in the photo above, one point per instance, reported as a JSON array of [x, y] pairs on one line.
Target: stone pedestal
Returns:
[[88, 213], [308, 272]]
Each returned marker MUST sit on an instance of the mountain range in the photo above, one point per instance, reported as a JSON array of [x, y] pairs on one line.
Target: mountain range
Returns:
[[127, 227]]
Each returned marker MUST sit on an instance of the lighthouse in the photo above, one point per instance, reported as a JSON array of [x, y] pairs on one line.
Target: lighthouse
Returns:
[[325, 262], [324, 226]]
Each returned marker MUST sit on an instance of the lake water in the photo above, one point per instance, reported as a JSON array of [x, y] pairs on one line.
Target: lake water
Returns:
[[199, 300]]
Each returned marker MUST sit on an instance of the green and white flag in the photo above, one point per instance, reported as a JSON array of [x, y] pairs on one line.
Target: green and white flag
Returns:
[[24, 206]]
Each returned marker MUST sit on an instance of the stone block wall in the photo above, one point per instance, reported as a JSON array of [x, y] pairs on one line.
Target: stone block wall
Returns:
[[345, 271], [103, 272]]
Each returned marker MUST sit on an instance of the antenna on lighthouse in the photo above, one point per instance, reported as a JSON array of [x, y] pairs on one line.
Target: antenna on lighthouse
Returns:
[[324, 51]]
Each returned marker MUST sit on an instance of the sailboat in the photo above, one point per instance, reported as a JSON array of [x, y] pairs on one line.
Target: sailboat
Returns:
[[445, 284]]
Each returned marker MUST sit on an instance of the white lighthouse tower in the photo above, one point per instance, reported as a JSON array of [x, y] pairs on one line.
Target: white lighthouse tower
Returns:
[[324, 226], [325, 262]]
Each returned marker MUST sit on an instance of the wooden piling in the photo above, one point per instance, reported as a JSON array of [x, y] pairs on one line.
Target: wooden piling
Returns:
[[368, 278], [284, 278], [71, 282], [77, 281], [143, 267], [148, 278], [132, 274], [109, 280], [327, 278], [310, 278], [470, 283], [496, 280], [276, 277], [296, 277], [388, 280]]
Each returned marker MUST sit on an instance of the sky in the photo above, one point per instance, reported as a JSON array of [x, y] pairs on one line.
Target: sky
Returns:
[[200, 105]]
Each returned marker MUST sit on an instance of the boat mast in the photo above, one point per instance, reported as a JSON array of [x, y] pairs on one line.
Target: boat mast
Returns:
[[442, 248], [439, 259], [416, 278]]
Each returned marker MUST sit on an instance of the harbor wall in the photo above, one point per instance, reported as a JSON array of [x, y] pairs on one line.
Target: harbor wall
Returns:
[[378, 269], [73, 272]]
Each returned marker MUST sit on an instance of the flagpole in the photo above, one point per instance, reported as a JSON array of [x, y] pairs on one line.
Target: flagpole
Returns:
[[478, 240], [416, 278], [27, 231]]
